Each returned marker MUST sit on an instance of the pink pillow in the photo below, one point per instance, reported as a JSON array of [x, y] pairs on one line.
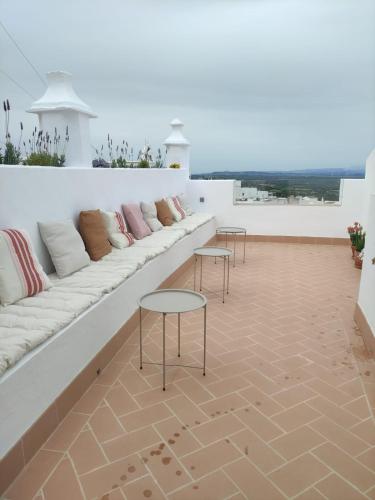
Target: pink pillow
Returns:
[[134, 218]]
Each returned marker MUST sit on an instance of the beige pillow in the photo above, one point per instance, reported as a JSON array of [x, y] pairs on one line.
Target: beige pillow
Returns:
[[150, 216], [65, 246]]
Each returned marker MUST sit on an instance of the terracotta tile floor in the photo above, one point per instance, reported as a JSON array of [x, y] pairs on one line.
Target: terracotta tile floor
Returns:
[[284, 411]]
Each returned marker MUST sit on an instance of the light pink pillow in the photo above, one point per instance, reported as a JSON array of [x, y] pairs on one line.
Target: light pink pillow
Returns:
[[135, 220]]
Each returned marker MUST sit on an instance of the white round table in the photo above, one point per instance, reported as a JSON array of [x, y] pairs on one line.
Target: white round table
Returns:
[[173, 301], [234, 231], [216, 252]]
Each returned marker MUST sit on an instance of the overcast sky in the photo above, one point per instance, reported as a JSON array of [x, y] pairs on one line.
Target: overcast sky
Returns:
[[259, 84]]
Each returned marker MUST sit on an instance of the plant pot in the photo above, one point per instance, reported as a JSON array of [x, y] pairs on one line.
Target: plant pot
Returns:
[[353, 251], [357, 261]]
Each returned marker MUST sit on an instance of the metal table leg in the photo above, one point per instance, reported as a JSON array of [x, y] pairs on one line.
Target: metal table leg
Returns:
[[164, 315], [224, 259], [244, 248], [204, 339], [179, 334], [195, 265], [234, 249], [200, 284], [140, 338], [228, 275]]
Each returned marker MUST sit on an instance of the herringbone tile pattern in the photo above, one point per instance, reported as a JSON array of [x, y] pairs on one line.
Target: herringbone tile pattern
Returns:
[[285, 411]]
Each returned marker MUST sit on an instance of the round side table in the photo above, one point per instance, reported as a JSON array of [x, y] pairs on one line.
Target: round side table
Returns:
[[234, 231], [216, 252], [173, 301]]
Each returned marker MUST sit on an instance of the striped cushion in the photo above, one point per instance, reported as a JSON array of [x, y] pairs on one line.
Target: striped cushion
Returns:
[[21, 275], [118, 233], [174, 211], [178, 206]]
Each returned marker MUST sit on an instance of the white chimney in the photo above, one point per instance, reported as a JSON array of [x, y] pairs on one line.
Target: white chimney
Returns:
[[60, 107], [178, 147]]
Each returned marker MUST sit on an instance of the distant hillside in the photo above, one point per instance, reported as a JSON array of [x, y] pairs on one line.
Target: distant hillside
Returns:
[[321, 183], [343, 173]]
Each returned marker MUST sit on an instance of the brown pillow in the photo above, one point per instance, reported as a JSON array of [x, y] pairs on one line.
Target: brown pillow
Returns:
[[163, 213], [94, 234]]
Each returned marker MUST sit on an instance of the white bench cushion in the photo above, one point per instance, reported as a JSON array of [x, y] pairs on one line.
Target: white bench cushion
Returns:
[[32, 320]]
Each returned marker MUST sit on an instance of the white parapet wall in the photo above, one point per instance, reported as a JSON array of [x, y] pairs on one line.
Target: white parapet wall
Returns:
[[32, 194], [275, 220], [366, 298]]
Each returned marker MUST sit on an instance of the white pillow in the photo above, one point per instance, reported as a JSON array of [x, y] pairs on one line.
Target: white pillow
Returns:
[[118, 233], [21, 275], [150, 216], [185, 204], [65, 246], [172, 207]]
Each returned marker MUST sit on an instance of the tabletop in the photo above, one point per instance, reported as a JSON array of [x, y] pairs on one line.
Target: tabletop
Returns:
[[230, 229], [213, 251], [172, 300]]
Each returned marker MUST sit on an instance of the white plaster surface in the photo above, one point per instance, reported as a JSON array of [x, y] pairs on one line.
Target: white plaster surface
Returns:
[[32, 194], [366, 298], [284, 220]]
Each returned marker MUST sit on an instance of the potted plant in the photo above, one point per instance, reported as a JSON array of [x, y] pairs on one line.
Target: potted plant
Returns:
[[354, 232], [175, 165], [360, 245]]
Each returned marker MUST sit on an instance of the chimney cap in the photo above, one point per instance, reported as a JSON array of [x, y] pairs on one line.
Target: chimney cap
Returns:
[[176, 137], [60, 95]]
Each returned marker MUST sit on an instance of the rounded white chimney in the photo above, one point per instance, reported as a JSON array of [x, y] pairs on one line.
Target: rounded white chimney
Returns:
[[178, 147], [61, 107]]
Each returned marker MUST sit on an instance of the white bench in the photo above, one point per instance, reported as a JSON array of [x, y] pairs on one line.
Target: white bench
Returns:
[[71, 341]]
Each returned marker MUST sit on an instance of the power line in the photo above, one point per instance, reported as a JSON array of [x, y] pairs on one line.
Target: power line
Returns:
[[16, 83], [24, 55]]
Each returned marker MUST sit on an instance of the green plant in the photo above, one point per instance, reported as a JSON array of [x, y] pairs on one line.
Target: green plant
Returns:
[[123, 156], [360, 243], [143, 164], [45, 150], [119, 162], [44, 159], [12, 154], [159, 160], [356, 234], [175, 165]]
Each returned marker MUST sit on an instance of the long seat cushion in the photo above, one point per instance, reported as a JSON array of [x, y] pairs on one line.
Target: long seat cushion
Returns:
[[190, 223], [29, 322]]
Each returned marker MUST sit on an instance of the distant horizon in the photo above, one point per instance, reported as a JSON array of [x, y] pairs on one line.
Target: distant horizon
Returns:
[[358, 168]]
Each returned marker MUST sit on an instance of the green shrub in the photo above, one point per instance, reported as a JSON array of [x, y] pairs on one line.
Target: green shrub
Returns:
[[143, 164], [45, 159], [12, 155], [119, 162]]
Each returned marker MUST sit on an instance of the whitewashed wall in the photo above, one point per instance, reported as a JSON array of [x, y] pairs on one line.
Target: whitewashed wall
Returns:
[[288, 220], [366, 299], [32, 194]]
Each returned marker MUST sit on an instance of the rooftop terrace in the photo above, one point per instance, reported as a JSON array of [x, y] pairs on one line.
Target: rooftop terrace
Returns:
[[285, 411]]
